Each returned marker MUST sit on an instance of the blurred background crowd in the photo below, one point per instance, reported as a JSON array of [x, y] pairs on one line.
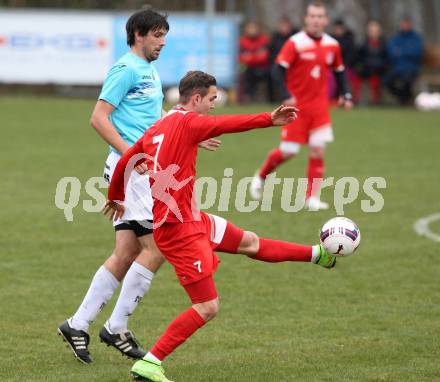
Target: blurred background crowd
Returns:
[[378, 62], [391, 48]]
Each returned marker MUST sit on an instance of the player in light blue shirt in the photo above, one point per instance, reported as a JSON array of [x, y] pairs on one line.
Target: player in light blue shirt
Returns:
[[134, 90], [130, 102]]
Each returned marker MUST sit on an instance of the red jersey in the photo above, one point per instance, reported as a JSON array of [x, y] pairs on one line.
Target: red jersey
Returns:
[[254, 52], [171, 147], [307, 61]]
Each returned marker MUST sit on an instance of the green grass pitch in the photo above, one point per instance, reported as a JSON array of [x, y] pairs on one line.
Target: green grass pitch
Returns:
[[376, 317]]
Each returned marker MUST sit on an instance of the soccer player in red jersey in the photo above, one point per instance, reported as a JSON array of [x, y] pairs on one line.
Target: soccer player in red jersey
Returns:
[[185, 235], [301, 70]]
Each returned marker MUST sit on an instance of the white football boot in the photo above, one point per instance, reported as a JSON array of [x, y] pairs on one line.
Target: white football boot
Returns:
[[315, 204], [257, 186]]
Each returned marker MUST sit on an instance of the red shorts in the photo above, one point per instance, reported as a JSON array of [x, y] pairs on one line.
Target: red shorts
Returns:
[[202, 290], [309, 119], [189, 247], [223, 235]]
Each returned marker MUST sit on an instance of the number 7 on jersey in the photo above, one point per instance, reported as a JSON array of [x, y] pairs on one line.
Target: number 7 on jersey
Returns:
[[157, 139]]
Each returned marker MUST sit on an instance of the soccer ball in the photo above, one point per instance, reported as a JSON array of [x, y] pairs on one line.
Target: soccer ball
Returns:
[[340, 236]]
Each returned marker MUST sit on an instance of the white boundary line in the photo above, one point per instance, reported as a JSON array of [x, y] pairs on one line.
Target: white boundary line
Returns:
[[421, 227]]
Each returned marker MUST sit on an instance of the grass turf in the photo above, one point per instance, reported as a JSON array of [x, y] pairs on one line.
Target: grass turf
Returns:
[[374, 318]]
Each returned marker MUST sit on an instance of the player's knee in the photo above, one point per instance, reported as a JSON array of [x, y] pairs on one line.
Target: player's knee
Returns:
[[118, 265], [287, 154], [123, 261], [126, 254], [208, 310], [250, 244], [150, 258], [289, 149], [317, 152]]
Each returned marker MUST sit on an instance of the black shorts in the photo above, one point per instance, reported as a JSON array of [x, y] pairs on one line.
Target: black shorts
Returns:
[[139, 228]]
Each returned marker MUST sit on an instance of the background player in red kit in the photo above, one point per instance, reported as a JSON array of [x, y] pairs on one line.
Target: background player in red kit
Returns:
[[187, 237], [301, 70]]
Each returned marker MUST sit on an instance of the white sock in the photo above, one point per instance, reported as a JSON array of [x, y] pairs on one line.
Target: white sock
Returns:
[[136, 283], [151, 357], [315, 253], [100, 291]]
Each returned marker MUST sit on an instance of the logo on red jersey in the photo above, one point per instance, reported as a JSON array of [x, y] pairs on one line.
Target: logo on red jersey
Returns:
[[329, 58], [164, 182], [309, 56]]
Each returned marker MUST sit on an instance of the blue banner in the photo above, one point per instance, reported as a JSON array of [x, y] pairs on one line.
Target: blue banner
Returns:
[[187, 47]]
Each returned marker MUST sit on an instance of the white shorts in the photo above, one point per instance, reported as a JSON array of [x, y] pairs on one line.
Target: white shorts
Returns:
[[138, 201]]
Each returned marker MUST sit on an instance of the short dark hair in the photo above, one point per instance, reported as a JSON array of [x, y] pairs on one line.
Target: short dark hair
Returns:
[[143, 21], [316, 3], [195, 82]]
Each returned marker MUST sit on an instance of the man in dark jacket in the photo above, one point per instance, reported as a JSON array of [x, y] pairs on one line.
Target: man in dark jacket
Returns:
[[284, 30], [371, 62], [405, 52], [345, 37]]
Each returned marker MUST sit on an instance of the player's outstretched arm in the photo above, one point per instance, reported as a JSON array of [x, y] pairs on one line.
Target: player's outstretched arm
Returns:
[[202, 127], [210, 144], [132, 157], [283, 115]]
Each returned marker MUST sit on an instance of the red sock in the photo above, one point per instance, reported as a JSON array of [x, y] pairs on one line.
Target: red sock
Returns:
[[177, 333], [275, 251], [315, 171], [273, 160]]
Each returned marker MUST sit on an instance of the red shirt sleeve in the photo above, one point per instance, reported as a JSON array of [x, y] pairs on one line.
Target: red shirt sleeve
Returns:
[[287, 54], [119, 180], [202, 127], [338, 64]]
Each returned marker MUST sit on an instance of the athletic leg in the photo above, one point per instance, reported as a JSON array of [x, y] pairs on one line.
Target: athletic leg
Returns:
[[315, 170], [136, 284], [320, 135], [104, 283], [107, 279], [205, 306], [293, 136], [179, 330], [226, 237]]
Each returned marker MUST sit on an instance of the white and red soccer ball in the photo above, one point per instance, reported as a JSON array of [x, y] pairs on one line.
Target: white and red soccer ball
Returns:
[[340, 236]]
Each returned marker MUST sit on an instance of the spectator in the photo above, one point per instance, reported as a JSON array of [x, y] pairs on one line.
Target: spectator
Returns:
[[405, 51], [345, 37], [371, 62], [254, 57], [284, 30]]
